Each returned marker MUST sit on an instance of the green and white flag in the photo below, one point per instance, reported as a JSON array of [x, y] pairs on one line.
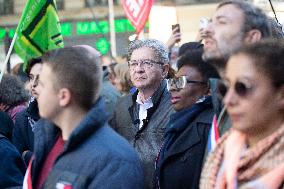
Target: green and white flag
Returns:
[[38, 30]]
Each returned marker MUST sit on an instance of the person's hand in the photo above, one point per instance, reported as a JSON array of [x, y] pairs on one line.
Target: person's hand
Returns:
[[200, 35], [174, 38]]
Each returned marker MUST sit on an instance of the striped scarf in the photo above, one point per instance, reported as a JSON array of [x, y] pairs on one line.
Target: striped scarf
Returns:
[[248, 167]]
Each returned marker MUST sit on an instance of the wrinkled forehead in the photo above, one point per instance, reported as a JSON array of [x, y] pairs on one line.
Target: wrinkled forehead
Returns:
[[144, 53]]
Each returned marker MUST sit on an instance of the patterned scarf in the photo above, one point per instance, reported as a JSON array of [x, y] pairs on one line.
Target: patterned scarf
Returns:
[[231, 165]]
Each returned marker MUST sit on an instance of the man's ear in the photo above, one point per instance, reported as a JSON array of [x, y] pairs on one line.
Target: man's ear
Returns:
[[165, 72], [253, 36], [64, 95]]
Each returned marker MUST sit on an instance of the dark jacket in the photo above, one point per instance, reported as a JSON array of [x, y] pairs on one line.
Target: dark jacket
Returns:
[[224, 122], [148, 139], [23, 135], [12, 167], [180, 159], [94, 156], [6, 125], [109, 93]]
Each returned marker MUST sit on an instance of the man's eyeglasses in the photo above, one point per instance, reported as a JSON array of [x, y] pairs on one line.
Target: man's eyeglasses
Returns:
[[180, 82], [146, 63], [240, 88]]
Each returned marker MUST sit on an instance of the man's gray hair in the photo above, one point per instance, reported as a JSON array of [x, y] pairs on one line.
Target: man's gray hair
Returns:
[[160, 49], [254, 17]]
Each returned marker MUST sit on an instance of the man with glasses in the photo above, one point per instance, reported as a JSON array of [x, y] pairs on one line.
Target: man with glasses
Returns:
[[233, 24], [142, 117]]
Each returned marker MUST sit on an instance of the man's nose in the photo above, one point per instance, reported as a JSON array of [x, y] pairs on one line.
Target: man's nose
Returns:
[[208, 30]]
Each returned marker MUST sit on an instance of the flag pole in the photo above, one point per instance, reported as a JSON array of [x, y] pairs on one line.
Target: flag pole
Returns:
[[112, 32], [7, 57]]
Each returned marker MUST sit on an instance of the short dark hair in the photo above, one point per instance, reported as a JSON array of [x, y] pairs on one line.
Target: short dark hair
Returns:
[[12, 91], [254, 17], [268, 58], [77, 69], [31, 63], [194, 59]]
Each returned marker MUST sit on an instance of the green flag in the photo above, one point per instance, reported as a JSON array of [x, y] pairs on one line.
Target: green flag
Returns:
[[38, 30]]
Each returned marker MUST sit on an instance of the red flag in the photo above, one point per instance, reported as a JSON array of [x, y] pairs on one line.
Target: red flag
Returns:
[[137, 11]]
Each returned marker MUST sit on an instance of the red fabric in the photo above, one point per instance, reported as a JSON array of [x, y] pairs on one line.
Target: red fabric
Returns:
[[137, 12], [27, 184], [49, 161]]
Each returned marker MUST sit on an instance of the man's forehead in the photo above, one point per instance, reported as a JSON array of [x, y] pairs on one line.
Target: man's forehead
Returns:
[[228, 11]]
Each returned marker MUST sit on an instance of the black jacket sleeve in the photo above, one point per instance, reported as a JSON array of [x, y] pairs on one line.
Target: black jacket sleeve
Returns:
[[12, 167]]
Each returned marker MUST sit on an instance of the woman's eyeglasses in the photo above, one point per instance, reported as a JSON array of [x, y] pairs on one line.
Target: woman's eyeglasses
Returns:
[[180, 82], [240, 88]]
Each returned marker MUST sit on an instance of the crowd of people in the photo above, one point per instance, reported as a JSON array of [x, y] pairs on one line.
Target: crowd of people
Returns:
[[209, 116]]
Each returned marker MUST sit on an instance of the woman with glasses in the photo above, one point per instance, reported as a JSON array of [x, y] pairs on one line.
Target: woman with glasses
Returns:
[[251, 154], [180, 158]]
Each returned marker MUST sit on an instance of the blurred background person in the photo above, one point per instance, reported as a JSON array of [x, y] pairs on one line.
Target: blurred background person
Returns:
[[23, 134], [122, 80], [13, 96], [180, 159], [6, 125], [109, 93], [173, 48], [255, 103], [12, 167]]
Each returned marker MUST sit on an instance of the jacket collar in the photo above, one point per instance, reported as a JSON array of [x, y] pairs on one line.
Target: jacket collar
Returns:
[[156, 98], [186, 120], [46, 133], [94, 119]]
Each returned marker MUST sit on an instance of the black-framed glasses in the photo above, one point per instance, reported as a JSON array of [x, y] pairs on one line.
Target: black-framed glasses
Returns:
[[241, 89], [145, 63], [180, 82]]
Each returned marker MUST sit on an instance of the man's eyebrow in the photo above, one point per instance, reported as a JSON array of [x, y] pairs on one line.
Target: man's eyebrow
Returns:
[[221, 17]]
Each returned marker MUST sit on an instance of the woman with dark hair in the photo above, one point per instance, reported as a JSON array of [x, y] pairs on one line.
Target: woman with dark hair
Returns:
[[23, 136], [251, 154], [180, 159], [13, 96]]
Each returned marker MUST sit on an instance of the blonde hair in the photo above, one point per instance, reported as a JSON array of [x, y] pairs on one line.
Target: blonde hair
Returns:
[[122, 72]]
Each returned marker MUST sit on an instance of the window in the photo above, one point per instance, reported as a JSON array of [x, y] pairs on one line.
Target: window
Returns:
[[59, 4], [6, 7], [94, 3]]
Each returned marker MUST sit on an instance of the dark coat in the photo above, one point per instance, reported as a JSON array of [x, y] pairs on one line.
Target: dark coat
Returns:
[[12, 167], [224, 122], [94, 156], [6, 125], [23, 135], [109, 93], [180, 160], [148, 139]]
